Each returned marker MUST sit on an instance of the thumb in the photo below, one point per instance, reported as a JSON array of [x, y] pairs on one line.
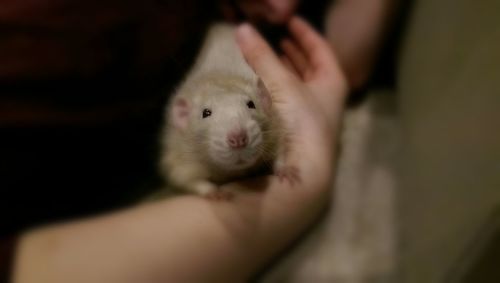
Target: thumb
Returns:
[[260, 56]]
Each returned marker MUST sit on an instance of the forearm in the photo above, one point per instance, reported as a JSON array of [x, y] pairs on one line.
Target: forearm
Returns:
[[185, 239], [356, 29]]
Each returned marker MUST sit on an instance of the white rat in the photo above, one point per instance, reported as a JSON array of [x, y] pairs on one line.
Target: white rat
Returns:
[[220, 122]]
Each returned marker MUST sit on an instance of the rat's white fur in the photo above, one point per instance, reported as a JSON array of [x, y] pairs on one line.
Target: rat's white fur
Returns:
[[220, 53], [195, 155]]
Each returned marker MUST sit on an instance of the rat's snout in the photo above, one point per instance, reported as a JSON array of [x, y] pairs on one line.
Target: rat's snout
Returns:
[[237, 139]]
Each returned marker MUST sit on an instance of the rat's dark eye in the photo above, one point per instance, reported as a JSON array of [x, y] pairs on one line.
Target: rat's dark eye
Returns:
[[251, 105], [206, 112]]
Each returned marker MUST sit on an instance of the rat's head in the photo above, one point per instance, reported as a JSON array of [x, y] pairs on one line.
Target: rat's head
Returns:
[[228, 120]]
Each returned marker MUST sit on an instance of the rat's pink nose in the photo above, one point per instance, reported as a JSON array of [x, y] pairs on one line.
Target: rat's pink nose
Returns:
[[237, 139]]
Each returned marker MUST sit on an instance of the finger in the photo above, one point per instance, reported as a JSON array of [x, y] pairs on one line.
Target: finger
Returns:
[[279, 11], [296, 56], [289, 65], [314, 45], [260, 56]]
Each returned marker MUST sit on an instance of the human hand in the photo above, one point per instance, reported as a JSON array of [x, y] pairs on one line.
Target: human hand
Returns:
[[269, 11], [308, 91]]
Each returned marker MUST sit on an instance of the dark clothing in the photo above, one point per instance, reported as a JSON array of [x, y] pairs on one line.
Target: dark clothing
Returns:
[[82, 89], [83, 86]]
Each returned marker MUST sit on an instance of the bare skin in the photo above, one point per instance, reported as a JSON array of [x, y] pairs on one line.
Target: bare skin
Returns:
[[356, 29], [191, 239]]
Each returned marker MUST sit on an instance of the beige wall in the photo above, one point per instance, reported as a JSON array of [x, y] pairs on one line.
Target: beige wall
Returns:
[[449, 89]]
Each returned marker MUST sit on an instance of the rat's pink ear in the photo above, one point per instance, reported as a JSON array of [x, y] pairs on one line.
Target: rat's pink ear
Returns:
[[179, 114], [264, 97]]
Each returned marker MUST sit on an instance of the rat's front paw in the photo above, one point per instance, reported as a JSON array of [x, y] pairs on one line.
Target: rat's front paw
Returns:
[[219, 195], [204, 188], [210, 191], [287, 173]]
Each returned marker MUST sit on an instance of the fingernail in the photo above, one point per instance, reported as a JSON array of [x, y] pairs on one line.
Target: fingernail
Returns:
[[244, 33]]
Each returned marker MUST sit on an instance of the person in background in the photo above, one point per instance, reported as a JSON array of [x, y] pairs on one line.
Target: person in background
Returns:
[[82, 88]]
